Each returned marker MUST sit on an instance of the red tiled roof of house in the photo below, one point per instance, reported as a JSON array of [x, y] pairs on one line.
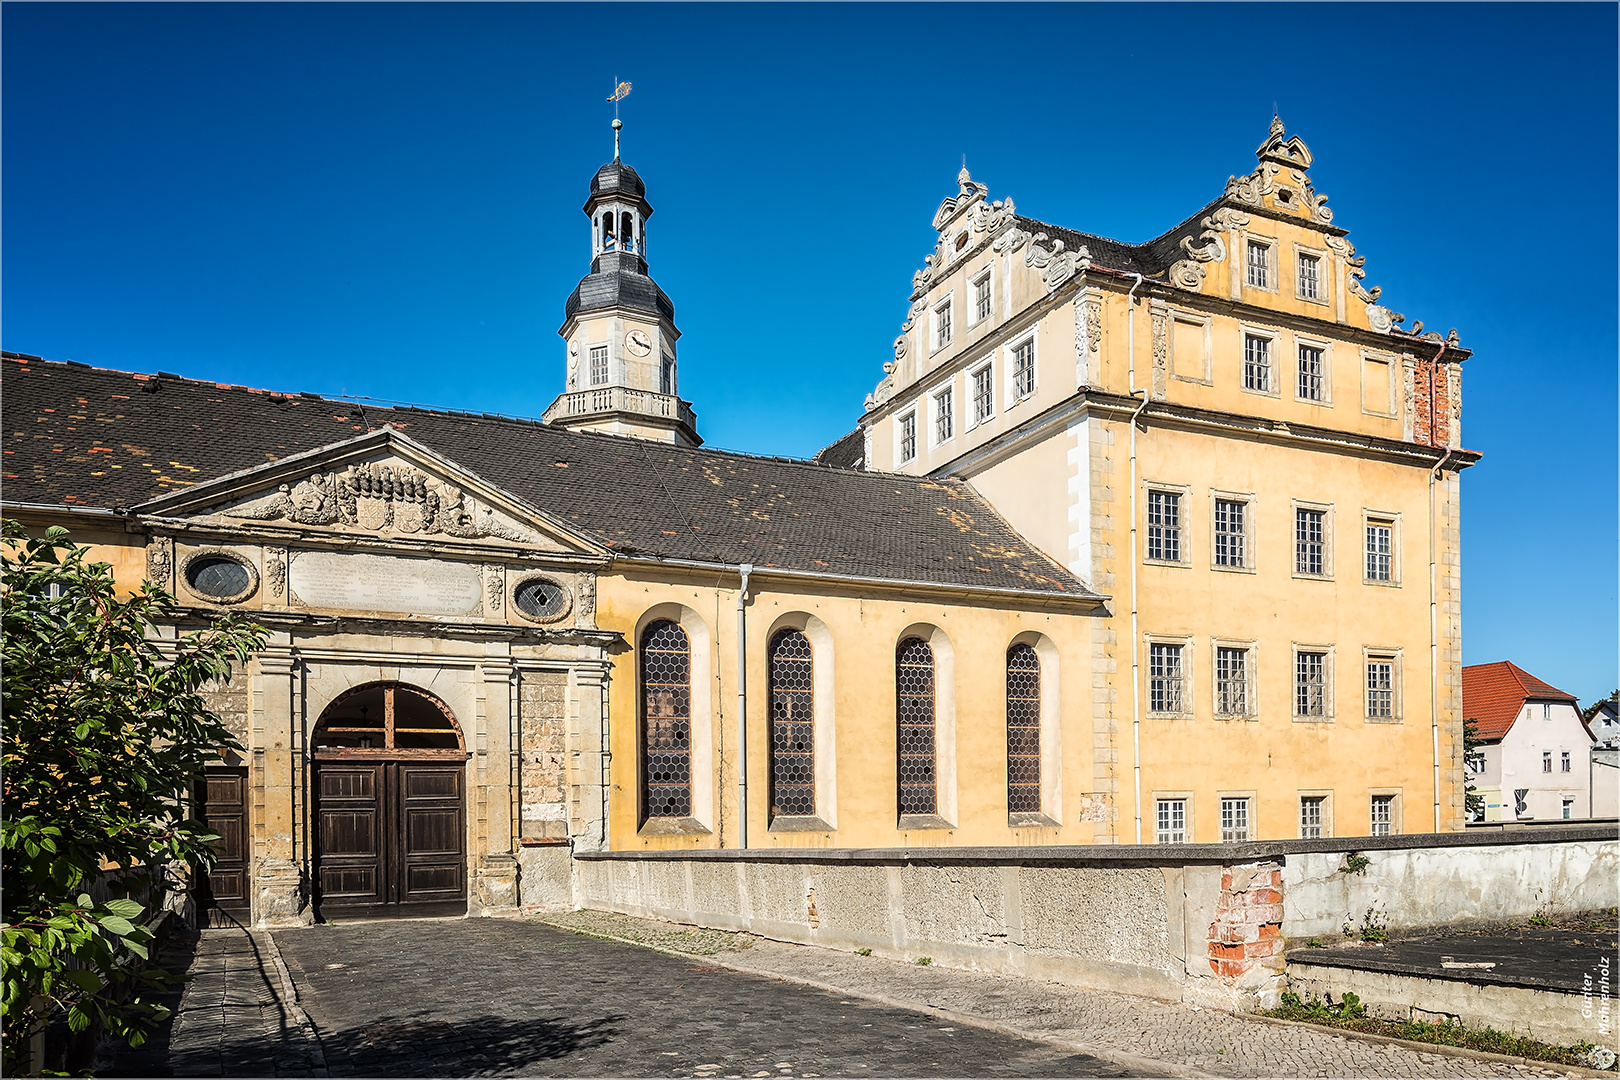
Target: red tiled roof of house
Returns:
[[1493, 694]]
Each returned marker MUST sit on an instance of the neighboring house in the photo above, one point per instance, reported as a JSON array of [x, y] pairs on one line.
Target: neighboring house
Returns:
[[1534, 758], [1605, 724], [1605, 729]]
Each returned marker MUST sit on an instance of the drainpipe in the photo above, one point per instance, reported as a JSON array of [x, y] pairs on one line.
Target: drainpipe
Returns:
[[742, 706], [1136, 660], [1434, 591]]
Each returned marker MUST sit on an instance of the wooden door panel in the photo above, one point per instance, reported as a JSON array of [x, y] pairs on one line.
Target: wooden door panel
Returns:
[[392, 837], [224, 888], [353, 855], [432, 842]]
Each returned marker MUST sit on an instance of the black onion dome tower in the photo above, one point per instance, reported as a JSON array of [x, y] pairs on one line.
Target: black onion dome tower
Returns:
[[622, 375]]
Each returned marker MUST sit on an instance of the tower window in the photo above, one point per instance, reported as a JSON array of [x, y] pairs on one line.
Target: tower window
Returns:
[[627, 231], [607, 231], [666, 376], [599, 365]]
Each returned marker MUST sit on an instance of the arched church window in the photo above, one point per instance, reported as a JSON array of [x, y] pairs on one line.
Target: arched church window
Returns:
[[793, 760], [914, 685], [666, 721], [1023, 730]]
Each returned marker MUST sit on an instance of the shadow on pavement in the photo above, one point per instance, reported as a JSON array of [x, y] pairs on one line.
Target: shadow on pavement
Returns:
[[417, 1045]]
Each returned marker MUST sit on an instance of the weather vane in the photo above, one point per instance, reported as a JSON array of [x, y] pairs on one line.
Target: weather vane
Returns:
[[621, 90]]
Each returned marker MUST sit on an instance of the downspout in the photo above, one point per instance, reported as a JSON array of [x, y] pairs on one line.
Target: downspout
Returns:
[[1136, 660], [742, 706], [1434, 590]]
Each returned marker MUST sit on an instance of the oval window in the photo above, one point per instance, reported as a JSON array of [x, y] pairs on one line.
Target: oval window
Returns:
[[539, 598], [218, 576]]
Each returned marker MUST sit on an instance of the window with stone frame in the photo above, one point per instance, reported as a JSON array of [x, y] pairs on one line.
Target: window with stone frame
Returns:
[[1380, 687], [1164, 526], [1231, 681], [908, 437], [792, 703], [944, 415], [1235, 820], [1311, 684], [599, 365], [1166, 678], [1023, 369], [1231, 533], [914, 695], [666, 721], [942, 325], [1310, 276], [1310, 541], [1257, 363], [984, 394], [1380, 550], [1382, 815], [1312, 373], [1258, 264], [1023, 730], [1311, 816], [1172, 821], [981, 297]]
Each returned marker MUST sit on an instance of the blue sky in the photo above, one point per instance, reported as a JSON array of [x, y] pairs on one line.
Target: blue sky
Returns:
[[385, 200]]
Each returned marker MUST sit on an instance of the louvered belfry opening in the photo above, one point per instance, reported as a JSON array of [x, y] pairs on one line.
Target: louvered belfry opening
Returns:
[[793, 759], [666, 721], [1023, 730], [914, 686]]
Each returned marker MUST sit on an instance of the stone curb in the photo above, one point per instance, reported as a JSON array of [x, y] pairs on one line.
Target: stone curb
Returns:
[[1432, 1048], [1146, 1067], [295, 1011]]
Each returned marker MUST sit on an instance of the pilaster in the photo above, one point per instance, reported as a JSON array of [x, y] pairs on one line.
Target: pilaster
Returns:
[[280, 865]]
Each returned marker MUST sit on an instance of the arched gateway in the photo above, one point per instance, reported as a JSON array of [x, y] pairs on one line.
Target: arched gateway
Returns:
[[390, 805]]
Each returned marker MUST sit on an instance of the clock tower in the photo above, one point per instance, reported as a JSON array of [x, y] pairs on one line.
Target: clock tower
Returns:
[[619, 327]]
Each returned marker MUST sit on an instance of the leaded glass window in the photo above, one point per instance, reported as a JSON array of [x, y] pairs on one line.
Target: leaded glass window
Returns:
[[666, 721], [793, 757], [1023, 730], [914, 685]]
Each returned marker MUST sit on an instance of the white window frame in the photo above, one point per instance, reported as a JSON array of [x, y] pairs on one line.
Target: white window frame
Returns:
[[1185, 798], [1251, 827], [1326, 349], [1325, 811], [1392, 521], [1565, 761], [946, 409], [1183, 494], [1546, 762], [1268, 335], [1251, 683], [1270, 245], [944, 324], [988, 369], [1394, 825], [1206, 376], [1394, 658], [1009, 359], [591, 353], [1247, 499], [1185, 644], [987, 278], [1326, 510], [900, 422], [1391, 364], [1566, 807], [1328, 694], [1323, 263]]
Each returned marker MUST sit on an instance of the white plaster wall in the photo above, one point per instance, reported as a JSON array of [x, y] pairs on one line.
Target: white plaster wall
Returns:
[[1560, 732], [1422, 888]]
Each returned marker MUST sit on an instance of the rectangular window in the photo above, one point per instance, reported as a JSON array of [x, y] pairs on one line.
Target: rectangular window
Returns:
[[984, 394], [1310, 542], [942, 325], [1383, 815], [1257, 363], [1023, 373], [1312, 387], [1165, 679], [1380, 557], [1230, 549], [1381, 688], [1232, 681], [1546, 761], [599, 365], [666, 376], [1568, 808], [1310, 684], [944, 415], [1234, 820], [1476, 763], [1310, 816], [1164, 526], [908, 437], [1259, 264], [1310, 276], [1563, 761], [981, 298], [1172, 815]]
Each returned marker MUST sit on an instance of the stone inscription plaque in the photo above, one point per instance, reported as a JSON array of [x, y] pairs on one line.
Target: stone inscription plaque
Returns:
[[402, 586]]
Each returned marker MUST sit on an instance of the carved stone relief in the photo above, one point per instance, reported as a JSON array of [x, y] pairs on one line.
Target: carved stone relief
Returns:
[[383, 498], [275, 570], [160, 562], [585, 604], [1057, 264], [1189, 273], [1087, 337], [1159, 318], [494, 588]]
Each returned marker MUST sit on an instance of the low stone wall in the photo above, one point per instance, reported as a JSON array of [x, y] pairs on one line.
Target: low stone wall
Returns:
[[1204, 923]]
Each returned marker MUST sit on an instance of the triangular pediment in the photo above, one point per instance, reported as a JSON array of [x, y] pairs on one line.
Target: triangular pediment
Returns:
[[383, 485]]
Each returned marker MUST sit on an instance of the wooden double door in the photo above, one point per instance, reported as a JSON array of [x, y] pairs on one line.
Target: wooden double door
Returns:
[[391, 838]]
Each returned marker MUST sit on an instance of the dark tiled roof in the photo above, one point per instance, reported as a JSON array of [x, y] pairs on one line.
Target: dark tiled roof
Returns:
[[1493, 694], [619, 279], [617, 177], [848, 452], [1149, 259], [81, 436]]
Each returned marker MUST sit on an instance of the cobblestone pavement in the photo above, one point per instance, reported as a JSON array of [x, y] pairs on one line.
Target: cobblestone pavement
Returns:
[[1186, 1039], [488, 997]]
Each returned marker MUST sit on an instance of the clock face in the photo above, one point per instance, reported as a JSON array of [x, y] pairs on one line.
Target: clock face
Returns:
[[638, 342]]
